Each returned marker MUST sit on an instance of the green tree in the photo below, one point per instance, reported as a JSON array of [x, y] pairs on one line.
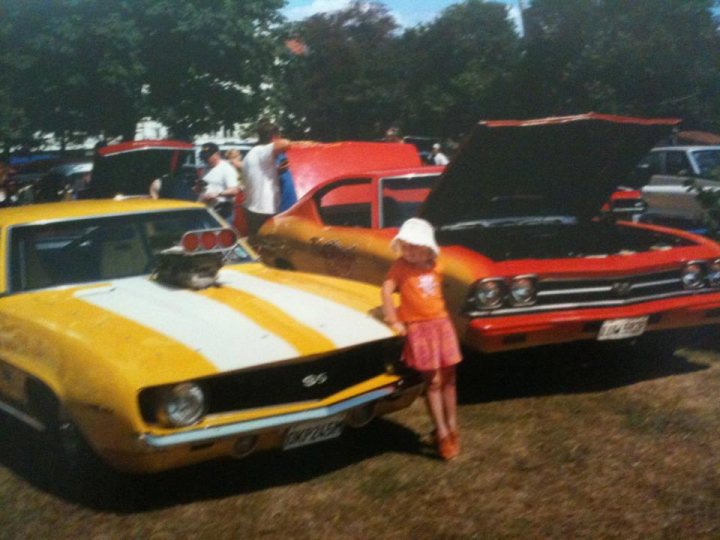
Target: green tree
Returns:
[[78, 68], [96, 67], [659, 58], [343, 85], [210, 64], [458, 68]]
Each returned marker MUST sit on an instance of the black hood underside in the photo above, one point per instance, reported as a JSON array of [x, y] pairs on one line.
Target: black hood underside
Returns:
[[569, 165], [558, 241]]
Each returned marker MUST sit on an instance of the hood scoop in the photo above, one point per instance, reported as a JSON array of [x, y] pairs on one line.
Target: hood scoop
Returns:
[[195, 263], [188, 270]]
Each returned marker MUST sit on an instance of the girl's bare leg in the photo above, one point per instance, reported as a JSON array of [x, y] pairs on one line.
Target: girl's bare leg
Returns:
[[449, 397], [434, 399]]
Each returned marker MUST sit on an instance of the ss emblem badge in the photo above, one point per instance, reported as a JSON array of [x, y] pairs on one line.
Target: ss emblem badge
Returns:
[[312, 379]]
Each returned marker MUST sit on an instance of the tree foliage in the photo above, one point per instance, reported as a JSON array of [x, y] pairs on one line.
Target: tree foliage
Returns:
[[88, 67], [657, 58], [344, 84], [457, 69], [96, 67]]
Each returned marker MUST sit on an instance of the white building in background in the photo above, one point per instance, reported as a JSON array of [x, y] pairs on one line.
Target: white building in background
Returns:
[[149, 129], [152, 129]]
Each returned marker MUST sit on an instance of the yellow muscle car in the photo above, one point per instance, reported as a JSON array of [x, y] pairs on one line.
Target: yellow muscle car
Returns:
[[124, 343]]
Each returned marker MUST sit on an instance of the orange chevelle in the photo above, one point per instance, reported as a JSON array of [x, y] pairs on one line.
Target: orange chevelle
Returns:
[[527, 260]]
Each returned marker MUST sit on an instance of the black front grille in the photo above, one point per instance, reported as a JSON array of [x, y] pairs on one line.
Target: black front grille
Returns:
[[299, 380], [283, 383]]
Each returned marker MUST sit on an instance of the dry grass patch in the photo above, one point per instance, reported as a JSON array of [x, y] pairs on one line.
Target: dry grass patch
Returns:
[[570, 442]]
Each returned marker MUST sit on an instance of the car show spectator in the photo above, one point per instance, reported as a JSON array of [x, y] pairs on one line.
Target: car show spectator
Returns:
[[261, 176], [437, 156], [234, 157], [8, 189], [431, 345], [184, 185], [393, 134], [220, 183], [288, 196]]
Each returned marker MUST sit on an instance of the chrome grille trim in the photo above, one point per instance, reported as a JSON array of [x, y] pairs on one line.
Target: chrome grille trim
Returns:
[[582, 305], [555, 294]]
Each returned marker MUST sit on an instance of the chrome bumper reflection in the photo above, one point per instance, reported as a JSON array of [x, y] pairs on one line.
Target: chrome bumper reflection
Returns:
[[240, 428]]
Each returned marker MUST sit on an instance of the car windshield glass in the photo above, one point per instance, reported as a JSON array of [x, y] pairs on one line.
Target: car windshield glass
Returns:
[[708, 162], [102, 248], [402, 197]]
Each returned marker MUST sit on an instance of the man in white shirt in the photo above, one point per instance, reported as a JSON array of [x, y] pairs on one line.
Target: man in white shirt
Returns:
[[220, 181], [437, 156], [262, 186]]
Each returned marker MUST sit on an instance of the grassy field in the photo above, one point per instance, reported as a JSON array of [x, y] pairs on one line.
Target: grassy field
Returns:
[[567, 442]]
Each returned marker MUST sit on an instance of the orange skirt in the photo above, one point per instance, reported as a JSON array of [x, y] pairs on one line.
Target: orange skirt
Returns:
[[431, 345]]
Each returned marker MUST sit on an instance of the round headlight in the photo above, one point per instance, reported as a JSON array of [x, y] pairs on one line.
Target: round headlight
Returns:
[[693, 276], [182, 405], [489, 293], [522, 291], [713, 274]]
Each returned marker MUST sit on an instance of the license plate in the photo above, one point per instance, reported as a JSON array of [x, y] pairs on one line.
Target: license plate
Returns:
[[312, 432], [622, 328]]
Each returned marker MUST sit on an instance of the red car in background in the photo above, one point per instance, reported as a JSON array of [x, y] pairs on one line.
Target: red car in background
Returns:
[[526, 259], [128, 169]]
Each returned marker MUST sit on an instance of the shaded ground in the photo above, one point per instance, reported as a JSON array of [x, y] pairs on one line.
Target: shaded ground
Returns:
[[582, 442]]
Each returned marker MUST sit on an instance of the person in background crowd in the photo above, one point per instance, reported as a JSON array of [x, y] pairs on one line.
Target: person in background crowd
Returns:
[[183, 184], [438, 158], [8, 195], [393, 134], [262, 186], [234, 158], [431, 346], [220, 183], [288, 196]]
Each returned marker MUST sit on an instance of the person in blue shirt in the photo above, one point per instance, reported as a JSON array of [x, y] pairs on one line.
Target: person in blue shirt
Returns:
[[288, 196]]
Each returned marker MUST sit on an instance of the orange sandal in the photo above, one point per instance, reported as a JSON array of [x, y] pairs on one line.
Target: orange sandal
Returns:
[[447, 448]]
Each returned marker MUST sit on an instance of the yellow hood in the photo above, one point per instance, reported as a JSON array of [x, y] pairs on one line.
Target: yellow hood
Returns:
[[154, 334]]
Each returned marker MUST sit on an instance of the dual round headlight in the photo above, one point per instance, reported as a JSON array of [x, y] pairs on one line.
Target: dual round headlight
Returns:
[[181, 405], [522, 291], [698, 274], [493, 293], [713, 273], [489, 293], [693, 276]]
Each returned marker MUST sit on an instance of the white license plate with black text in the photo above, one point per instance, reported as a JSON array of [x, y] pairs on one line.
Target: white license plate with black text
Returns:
[[313, 432], [622, 328]]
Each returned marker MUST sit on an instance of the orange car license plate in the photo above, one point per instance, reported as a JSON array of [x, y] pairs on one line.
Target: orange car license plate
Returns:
[[622, 328]]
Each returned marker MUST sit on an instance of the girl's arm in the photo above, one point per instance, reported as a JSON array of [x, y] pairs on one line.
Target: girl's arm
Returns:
[[389, 311]]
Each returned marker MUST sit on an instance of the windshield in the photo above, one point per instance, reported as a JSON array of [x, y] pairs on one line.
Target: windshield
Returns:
[[96, 249], [708, 162]]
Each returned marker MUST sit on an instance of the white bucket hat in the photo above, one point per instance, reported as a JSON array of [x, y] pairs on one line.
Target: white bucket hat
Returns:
[[417, 232]]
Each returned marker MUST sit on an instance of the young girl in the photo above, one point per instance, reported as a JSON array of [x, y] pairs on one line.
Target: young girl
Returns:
[[432, 345]]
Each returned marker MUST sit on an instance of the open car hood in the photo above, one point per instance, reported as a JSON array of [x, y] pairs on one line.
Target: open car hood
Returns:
[[560, 166], [312, 164], [129, 168]]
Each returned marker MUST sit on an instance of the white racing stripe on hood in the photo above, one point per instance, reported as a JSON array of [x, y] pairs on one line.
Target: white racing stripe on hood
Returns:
[[343, 325], [228, 339]]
